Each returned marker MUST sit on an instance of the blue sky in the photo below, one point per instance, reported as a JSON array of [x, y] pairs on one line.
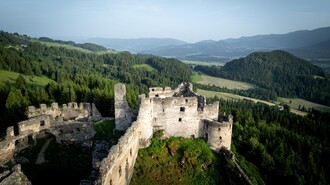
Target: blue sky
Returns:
[[188, 20]]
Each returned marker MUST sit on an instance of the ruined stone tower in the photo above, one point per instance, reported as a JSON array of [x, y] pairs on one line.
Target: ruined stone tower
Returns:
[[123, 113]]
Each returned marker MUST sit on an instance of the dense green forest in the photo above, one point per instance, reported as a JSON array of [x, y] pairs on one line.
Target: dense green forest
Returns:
[[272, 146], [78, 76], [275, 146], [279, 73]]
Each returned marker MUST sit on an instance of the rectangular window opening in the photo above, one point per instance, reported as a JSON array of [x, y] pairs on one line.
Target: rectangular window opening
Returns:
[[180, 119], [182, 109], [42, 123]]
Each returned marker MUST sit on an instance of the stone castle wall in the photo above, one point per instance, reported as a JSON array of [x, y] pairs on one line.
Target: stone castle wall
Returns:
[[166, 110], [118, 166], [68, 111], [78, 129]]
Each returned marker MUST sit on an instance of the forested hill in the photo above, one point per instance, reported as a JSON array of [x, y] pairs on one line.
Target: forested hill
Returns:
[[87, 46], [279, 72], [78, 76]]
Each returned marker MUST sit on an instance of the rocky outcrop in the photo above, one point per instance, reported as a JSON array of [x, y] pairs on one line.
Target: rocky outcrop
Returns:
[[14, 177]]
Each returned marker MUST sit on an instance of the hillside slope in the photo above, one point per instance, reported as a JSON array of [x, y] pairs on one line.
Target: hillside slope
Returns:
[[80, 76], [279, 72]]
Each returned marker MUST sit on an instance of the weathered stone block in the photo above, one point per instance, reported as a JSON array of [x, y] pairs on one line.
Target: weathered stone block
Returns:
[[43, 107], [54, 105]]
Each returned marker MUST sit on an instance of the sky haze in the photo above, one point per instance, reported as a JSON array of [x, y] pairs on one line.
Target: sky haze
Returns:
[[188, 20]]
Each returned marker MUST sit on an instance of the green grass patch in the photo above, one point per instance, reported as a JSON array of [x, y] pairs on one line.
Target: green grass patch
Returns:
[[31, 80], [196, 78], [297, 103], [106, 131], [229, 96], [222, 82], [146, 67], [177, 161], [202, 63], [67, 46]]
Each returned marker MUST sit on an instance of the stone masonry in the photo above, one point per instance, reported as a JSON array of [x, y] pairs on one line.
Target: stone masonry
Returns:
[[71, 123], [179, 112]]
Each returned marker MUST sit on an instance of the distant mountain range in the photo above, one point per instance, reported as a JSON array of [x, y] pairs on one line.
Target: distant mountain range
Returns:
[[312, 44], [135, 45]]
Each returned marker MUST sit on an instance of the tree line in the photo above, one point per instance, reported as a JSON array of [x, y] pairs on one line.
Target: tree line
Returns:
[[275, 146], [77, 76]]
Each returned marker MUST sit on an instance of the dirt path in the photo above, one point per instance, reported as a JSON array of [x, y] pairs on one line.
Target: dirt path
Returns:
[[41, 155]]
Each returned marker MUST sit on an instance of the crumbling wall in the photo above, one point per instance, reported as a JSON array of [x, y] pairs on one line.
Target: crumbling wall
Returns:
[[211, 111], [7, 146], [43, 109], [160, 92], [96, 115], [123, 113], [68, 111], [117, 167], [34, 124], [76, 132], [73, 132]]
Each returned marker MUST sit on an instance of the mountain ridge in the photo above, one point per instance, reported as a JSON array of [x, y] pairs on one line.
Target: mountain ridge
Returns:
[[135, 45], [239, 47]]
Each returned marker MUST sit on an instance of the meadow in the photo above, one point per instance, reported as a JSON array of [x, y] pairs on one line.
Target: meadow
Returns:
[[297, 103], [68, 46], [32, 80], [221, 82], [146, 67], [192, 62], [228, 96]]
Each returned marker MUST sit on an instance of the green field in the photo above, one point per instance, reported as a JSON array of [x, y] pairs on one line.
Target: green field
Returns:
[[55, 44], [68, 46], [146, 67], [11, 77], [196, 77], [221, 82], [294, 103], [202, 63], [228, 96]]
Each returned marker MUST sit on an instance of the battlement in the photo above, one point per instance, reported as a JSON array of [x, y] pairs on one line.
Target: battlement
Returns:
[[68, 123], [68, 111], [183, 90]]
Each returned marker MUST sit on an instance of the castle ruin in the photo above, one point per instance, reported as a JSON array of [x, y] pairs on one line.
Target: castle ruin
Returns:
[[179, 112], [70, 123]]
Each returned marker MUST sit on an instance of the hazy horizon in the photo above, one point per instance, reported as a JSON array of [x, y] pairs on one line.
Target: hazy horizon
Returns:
[[189, 21]]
